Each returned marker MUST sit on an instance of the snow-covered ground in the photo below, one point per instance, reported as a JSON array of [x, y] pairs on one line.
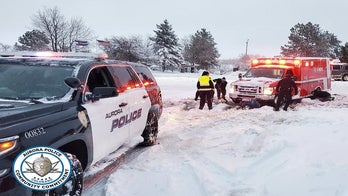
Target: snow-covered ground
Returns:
[[230, 152]]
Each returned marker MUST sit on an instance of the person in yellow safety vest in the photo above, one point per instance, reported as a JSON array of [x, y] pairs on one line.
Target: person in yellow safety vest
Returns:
[[205, 87]]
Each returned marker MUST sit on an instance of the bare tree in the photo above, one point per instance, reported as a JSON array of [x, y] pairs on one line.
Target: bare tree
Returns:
[[61, 33], [77, 30], [52, 23], [126, 49], [4, 47]]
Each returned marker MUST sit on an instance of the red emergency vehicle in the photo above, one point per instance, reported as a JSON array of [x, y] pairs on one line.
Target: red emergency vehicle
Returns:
[[260, 81]]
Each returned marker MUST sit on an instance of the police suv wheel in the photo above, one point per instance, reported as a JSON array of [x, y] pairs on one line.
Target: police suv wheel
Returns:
[[151, 129], [73, 186]]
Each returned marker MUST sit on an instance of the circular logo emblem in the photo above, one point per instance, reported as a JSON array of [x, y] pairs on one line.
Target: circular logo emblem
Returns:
[[42, 168]]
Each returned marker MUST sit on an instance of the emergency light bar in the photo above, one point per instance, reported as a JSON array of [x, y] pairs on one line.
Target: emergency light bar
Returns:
[[96, 56], [275, 61]]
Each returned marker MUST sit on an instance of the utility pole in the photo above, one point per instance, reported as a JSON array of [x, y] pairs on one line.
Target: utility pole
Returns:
[[246, 47]]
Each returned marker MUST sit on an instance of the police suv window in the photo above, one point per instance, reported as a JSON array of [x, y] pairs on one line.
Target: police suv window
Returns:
[[126, 78], [99, 77], [145, 75]]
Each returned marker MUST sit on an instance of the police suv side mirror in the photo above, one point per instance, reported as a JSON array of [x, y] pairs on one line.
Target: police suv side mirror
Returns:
[[73, 82]]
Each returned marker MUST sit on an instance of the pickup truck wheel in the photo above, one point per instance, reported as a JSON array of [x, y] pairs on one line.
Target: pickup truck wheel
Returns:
[[236, 100], [345, 77], [73, 186], [151, 130]]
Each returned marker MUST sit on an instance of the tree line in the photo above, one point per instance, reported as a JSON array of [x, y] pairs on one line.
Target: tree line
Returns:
[[52, 31]]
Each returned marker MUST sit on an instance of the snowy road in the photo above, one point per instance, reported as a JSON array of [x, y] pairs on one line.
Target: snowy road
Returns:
[[238, 152]]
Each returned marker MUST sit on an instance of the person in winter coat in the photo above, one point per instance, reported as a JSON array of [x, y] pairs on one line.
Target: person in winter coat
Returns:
[[205, 87], [218, 82], [284, 89], [220, 86], [223, 88]]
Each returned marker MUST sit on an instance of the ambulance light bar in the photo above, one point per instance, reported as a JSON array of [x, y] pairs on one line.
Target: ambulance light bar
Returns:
[[275, 61]]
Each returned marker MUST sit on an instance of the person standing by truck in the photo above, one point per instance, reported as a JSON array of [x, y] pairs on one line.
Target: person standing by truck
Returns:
[[205, 86], [218, 87], [223, 88], [284, 91]]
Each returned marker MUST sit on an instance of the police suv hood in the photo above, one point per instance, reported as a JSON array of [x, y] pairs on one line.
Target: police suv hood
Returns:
[[14, 112], [260, 81]]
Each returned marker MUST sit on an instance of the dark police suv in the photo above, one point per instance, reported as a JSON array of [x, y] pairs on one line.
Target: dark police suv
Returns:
[[85, 107]]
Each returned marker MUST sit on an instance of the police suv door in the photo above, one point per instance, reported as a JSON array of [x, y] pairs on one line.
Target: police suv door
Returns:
[[107, 115], [137, 98]]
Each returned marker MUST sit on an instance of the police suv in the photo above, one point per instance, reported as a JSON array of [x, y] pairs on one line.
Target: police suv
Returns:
[[86, 107]]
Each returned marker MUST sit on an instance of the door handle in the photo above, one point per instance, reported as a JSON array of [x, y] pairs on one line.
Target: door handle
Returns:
[[123, 104]]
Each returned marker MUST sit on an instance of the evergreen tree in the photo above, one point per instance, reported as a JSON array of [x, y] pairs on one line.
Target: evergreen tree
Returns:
[[34, 40], [344, 53], [166, 46], [202, 50], [309, 40]]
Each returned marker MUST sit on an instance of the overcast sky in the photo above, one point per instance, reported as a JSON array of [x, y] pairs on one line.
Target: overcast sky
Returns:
[[265, 23]]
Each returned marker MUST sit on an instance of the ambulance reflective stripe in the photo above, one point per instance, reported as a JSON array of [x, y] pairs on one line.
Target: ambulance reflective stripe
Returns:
[[311, 81]]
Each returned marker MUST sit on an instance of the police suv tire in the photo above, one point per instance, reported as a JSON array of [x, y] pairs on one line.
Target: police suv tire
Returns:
[[73, 186], [151, 129]]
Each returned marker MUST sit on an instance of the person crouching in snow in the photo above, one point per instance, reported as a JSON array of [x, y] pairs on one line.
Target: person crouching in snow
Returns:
[[249, 104], [218, 87], [205, 85]]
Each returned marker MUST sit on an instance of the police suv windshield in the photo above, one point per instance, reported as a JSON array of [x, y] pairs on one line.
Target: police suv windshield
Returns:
[[268, 72], [19, 81]]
